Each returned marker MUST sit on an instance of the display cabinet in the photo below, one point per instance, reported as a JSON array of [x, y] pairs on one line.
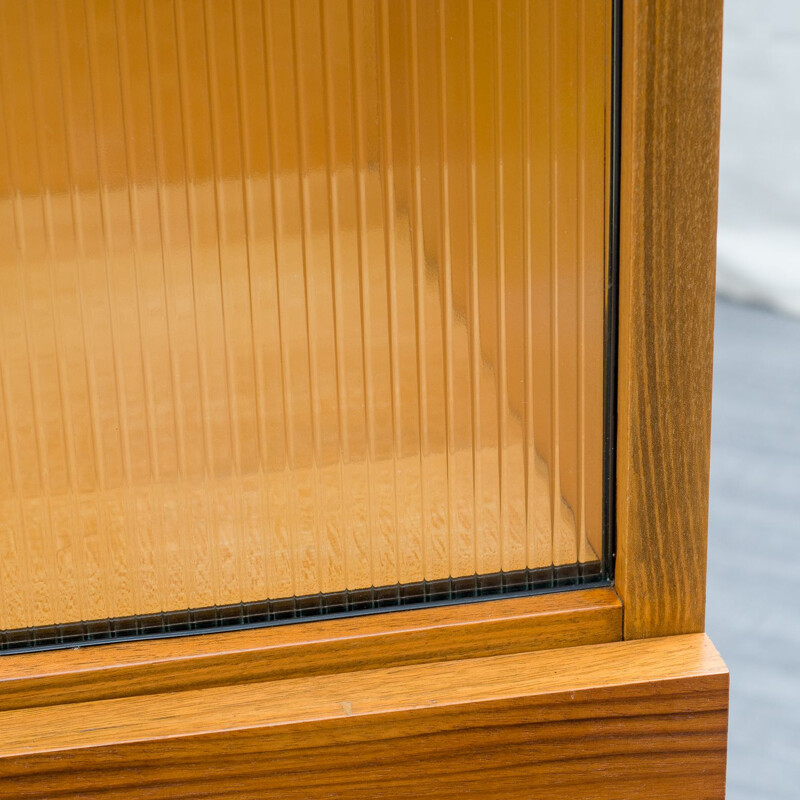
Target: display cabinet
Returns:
[[355, 371]]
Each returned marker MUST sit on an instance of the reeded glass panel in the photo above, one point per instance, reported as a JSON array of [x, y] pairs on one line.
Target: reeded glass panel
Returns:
[[298, 299]]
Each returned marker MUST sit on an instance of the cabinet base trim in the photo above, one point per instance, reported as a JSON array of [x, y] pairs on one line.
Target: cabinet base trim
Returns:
[[635, 719]]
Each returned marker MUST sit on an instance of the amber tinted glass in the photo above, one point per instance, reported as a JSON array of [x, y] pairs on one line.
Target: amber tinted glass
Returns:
[[297, 297]]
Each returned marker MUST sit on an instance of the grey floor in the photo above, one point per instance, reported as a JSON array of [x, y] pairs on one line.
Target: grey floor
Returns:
[[753, 607]]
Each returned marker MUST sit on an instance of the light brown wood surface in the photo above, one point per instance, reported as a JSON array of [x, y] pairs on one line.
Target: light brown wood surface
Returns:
[[644, 719], [461, 631], [670, 146]]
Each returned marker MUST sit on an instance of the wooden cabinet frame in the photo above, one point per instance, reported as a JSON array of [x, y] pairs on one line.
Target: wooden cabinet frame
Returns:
[[668, 232], [482, 699]]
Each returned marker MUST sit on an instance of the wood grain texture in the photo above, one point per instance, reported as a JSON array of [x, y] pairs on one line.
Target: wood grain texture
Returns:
[[645, 719], [460, 631], [670, 148]]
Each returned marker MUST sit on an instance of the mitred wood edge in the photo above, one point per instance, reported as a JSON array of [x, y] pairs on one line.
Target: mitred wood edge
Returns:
[[495, 627], [671, 63], [640, 719]]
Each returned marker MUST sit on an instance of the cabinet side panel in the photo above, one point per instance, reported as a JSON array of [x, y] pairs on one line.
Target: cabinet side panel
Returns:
[[670, 154]]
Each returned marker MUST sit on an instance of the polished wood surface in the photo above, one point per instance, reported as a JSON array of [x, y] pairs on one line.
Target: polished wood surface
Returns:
[[670, 152], [307, 296], [634, 720], [467, 630], [295, 297]]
